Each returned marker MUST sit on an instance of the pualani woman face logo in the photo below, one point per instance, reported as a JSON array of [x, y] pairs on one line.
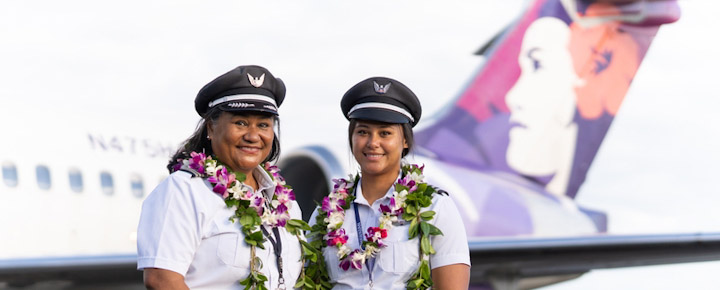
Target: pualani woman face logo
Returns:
[[545, 118], [573, 80], [542, 103]]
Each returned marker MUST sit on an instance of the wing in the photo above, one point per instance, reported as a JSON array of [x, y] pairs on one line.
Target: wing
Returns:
[[261, 80], [85, 270], [251, 79], [530, 263]]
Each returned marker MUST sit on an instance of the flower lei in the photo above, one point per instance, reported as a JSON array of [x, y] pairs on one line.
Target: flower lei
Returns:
[[251, 208], [411, 194]]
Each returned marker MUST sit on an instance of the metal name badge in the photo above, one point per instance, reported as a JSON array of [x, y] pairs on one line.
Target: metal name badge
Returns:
[[381, 89], [256, 82]]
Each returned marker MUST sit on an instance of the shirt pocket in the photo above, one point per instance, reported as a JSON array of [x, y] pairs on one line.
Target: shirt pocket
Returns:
[[232, 250], [400, 256]]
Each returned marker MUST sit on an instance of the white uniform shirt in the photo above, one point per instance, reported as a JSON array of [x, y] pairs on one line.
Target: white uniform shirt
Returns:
[[399, 260], [185, 228]]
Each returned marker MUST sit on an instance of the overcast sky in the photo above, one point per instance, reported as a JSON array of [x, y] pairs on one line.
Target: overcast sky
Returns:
[[126, 62]]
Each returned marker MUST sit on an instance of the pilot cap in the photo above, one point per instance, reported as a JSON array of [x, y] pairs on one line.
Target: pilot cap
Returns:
[[381, 99], [245, 88]]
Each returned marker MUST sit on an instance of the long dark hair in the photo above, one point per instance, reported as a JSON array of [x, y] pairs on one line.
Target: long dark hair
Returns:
[[198, 141], [407, 134]]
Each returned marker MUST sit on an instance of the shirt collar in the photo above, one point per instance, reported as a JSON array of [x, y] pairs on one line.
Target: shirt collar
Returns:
[[360, 198], [265, 183]]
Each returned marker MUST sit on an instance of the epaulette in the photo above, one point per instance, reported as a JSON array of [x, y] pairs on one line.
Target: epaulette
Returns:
[[439, 190], [192, 172]]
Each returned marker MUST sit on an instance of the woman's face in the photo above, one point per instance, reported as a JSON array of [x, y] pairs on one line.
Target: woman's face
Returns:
[[378, 147], [542, 102], [242, 141]]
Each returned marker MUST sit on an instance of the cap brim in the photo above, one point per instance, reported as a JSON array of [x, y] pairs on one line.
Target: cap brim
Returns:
[[380, 115], [259, 108]]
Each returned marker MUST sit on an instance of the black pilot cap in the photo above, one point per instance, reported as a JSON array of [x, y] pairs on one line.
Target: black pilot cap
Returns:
[[381, 99], [245, 88]]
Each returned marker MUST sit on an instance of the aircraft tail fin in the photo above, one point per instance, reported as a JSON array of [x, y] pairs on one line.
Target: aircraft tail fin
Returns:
[[542, 102]]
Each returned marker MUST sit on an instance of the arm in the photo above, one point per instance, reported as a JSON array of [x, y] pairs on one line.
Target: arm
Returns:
[[451, 263], [155, 278], [169, 232], [455, 276]]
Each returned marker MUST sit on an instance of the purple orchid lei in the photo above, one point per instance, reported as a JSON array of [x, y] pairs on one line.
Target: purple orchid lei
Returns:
[[251, 207], [410, 195], [227, 185]]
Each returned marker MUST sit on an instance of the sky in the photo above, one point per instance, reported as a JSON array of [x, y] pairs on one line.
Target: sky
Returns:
[[123, 64]]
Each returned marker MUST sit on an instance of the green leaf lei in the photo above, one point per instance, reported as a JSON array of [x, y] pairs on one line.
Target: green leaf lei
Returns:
[[419, 197]]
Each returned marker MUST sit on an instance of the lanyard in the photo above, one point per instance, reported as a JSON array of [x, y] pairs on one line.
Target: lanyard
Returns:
[[358, 227], [277, 248]]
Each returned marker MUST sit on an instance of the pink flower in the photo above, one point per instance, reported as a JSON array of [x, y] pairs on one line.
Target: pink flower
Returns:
[[284, 194], [375, 235], [222, 181], [221, 190], [389, 209], [330, 204], [257, 204], [177, 165], [275, 172], [281, 208], [345, 264], [409, 182], [197, 162], [337, 237], [354, 259]]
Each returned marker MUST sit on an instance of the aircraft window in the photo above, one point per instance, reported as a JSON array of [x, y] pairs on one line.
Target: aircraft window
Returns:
[[9, 174], [76, 181], [43, 177], [106, 181], [136, 185]]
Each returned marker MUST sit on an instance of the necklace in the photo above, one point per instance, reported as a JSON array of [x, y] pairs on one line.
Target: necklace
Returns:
[[252, 209], [410, 195]]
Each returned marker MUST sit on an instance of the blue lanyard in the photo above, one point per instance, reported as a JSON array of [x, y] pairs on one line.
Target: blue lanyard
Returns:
[[358, 227]]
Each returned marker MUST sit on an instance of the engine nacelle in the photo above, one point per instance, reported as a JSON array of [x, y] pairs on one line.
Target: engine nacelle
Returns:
[[310, 171]]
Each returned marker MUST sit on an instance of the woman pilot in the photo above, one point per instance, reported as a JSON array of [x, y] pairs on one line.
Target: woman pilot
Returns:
[[386, 228], [219, 220]]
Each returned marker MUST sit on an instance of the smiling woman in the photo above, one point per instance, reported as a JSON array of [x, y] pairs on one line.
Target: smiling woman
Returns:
[[414, 237], [187, 237], [242, 141]]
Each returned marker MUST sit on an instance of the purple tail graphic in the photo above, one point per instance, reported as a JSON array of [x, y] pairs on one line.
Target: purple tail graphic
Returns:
[[543, 101]]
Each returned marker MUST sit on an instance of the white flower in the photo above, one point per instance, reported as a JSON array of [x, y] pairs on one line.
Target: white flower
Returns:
[[358, 257], [401, 195], [335, 220], [343, 251], [400, 199], [418, 178], [236, 190], [210, 170], [270, 218], [387, 221], [370, 251]]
